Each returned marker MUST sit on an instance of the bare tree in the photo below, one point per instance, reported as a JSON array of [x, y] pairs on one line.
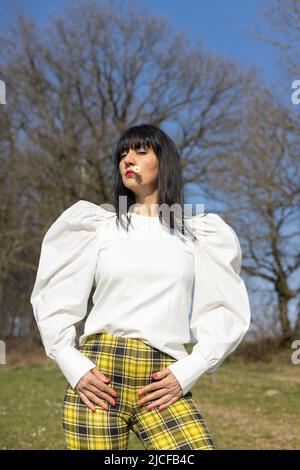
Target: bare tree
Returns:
[[259, 187], [279, 25], [71, 90]]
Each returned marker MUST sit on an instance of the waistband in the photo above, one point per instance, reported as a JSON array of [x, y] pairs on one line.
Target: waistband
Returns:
[[106, 337]]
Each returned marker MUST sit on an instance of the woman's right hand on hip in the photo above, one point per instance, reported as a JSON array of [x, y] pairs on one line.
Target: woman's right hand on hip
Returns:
[[92, 388]]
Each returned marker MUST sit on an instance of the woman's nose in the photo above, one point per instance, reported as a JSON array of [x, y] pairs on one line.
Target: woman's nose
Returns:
[[129, 159]]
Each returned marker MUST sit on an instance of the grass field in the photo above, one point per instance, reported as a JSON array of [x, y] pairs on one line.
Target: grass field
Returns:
[[246, 405]]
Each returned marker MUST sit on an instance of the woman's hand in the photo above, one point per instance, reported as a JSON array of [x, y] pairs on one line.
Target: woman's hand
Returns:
[[167, 390], [92, 386]]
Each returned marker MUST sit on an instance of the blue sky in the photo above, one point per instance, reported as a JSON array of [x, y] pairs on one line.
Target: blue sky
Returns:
[[222, 25]]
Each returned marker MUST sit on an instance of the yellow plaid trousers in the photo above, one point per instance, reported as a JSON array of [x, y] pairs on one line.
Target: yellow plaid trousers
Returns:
[[129, 363]]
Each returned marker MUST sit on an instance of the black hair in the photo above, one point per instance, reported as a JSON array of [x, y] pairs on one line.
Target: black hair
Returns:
[[170, 180]]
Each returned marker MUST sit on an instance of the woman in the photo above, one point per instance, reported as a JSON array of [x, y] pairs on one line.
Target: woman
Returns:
[[151, 268]]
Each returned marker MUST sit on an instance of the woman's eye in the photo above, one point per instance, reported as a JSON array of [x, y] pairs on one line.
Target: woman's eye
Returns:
[[141, 152]]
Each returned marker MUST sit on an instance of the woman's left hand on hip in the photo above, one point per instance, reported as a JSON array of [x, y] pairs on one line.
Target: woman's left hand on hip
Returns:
[[165, 390]]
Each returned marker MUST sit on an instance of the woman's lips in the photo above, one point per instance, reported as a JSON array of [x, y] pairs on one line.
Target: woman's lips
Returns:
[[134, 171]]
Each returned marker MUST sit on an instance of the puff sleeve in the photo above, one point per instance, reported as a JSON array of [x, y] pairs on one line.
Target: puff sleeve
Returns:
[[64, 279], [220, 311]]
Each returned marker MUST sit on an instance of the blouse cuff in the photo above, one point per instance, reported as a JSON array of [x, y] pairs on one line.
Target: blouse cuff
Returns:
[[73, 364], [188, 370]]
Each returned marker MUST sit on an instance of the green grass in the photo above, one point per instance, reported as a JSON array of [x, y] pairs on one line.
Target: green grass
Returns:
[[246, 406]]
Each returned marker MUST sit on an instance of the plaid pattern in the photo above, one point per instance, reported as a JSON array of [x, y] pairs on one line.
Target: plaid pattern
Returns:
[[129, 363]]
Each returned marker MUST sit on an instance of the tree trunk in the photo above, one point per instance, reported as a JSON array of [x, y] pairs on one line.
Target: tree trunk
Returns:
[[283, 317], [297, 325]]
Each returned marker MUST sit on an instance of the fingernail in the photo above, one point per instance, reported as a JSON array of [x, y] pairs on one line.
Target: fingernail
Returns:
[[154, 376]]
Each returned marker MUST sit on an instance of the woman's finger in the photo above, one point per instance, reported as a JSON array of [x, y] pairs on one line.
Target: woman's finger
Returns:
[[165, 405], [153, 395], [100, 386], [163, 401], [93, 398], [101, 394], [86, 401]]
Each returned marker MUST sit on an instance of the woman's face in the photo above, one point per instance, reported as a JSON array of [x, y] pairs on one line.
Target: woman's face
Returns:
[[145, 180]]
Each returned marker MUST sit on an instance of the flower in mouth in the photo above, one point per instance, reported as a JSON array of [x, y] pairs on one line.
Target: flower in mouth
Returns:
[[136, 168]]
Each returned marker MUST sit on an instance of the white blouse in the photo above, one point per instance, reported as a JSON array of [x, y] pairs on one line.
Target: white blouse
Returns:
[[149, 284]]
